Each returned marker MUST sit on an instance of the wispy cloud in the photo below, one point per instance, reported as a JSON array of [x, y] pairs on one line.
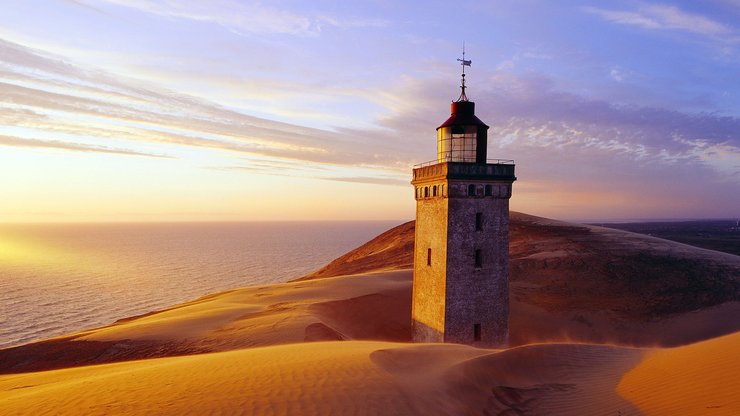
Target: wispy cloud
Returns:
[[666, 17], [247, 17], [76, 147], [46, 92], [353, 22], [278, 169], [557, 137], [371, 180], [239, 17], [530, 113], [619, 74], [86, 6]]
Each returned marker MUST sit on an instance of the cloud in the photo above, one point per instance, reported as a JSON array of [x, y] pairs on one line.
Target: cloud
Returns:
[[351, 23], [672, 17], [247, 17], [46, 92], [665, 17], [239, 17], [372, 180], [77, 147], [626, 18], [618, 74], [85, 6], [52, 95], [277, 169], [529, 113], [558, 138]]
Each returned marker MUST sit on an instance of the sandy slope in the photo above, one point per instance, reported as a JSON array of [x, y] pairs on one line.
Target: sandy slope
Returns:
[[294, 379], [384, 378], [697, 379], [250, 351], [335, 378], [391, 250], [353, 307]]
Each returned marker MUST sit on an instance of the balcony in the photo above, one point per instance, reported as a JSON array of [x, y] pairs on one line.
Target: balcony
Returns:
[[493, 169]]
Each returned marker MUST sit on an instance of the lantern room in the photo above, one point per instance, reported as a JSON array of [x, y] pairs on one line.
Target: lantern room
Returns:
[[463, 137]]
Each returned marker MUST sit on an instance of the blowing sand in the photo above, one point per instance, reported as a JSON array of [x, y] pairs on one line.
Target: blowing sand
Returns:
[[395, 379], [292, 379], [331, 344]]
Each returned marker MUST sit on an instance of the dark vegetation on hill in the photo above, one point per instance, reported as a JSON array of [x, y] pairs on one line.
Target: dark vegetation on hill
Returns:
[[636, 276], [720, 235]]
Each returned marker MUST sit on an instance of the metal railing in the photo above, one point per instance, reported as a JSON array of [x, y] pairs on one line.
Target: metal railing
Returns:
[[488, 161]]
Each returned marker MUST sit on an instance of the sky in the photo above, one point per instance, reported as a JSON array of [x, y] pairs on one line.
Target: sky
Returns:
[[231, 110]]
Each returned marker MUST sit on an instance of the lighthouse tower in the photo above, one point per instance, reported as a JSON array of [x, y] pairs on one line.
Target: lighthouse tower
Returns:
[[461, 250]]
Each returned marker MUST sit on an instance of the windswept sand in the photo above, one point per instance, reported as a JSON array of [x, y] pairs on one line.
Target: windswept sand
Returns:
[[697, 379], [339, 345], [396, 379]]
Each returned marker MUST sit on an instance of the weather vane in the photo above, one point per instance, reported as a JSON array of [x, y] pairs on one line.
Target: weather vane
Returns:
[[463, 63]]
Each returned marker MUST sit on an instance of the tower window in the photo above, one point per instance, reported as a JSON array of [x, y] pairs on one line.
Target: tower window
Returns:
[[478, 259], [426, 192], [429, 257], [478, 221], [489, 190], [476, 332], [471, 190], [434, 190]]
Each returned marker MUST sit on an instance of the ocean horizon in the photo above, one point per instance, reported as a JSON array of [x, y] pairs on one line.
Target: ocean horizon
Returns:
[[57, 278]]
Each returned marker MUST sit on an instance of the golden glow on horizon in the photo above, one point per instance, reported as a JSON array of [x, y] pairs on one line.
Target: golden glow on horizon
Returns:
[[17, 251], [25, 252]]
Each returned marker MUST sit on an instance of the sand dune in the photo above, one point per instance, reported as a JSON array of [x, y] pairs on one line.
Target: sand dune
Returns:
[[339, 344], [293, 379], [394, 378], [370, 306], [593, 284], [697, 379], [337, 378], [391, 250]]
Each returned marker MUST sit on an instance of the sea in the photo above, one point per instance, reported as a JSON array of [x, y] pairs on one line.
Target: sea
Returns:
[[60, 278]]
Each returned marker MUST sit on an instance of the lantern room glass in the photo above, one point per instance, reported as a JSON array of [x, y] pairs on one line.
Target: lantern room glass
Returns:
[[457, 144]]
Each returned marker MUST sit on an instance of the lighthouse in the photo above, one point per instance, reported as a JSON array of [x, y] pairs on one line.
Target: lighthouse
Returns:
[[461, 248]]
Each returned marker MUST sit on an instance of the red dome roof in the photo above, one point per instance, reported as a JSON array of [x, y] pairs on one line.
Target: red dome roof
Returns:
[[463, 113]]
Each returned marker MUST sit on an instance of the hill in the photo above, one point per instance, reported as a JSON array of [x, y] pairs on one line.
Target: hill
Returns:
[[608, 285], [720, 235]]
